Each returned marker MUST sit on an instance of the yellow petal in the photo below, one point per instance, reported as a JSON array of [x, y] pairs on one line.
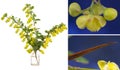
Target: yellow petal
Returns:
[[48, 39], [11, 24], [16, 26], [41, 51], [45, 45], [27, 11], [3, 17], [21, 33], [29, 20], [29, 25], [60, 30], [24, 8], [102, 20], [112, 66], [31, 42], [81, 21], [53, 34], [27, 15], [29, 50], [93, 25], [22, 36], [101, 64], [23, 40], [26, 46], [17, 30], [8, 19]]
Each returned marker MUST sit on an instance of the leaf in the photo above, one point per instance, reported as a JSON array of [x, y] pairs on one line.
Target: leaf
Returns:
[[82, 60], [78, 68], [37, 19]]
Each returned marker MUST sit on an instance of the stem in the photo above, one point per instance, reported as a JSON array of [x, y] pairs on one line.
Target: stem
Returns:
[[96, 1], [81, 53], [36, 58]]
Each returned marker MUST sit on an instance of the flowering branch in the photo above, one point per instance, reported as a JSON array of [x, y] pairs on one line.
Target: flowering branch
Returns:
[[28, 31]]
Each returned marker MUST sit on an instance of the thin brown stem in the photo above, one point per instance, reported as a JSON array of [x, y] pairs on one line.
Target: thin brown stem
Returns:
[[81, 53]]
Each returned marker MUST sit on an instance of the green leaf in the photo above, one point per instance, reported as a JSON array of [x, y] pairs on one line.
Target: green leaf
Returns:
[[37, 19], [78, 68], [82, 60]]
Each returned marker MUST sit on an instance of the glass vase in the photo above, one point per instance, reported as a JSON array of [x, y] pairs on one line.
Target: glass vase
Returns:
[[35, 59]]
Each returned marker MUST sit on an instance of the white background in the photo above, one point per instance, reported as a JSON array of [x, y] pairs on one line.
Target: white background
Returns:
[[13, 56]]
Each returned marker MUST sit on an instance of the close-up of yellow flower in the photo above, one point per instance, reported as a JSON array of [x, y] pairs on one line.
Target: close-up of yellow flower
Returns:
[[103, 65]]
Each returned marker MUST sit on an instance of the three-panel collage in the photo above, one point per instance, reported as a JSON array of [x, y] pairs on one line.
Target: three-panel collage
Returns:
[[60, 34], [94, 35]]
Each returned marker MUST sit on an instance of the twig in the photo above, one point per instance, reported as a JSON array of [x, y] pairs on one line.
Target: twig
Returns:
[[81, 53]]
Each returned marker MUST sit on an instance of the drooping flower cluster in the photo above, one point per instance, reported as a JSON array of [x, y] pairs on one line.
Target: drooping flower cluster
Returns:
[[29, 33]]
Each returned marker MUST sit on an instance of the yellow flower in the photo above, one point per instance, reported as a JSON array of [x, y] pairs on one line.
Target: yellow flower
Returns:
[[63, 27], [41, 51], [26, 46], [29, 25], [3, 17], [103, 65], [45, 45], [48, 39], [23, 40], [57, 31], [22, 36], [16, 26], [21, 33], [27, 11], [31, 34], [29, 20], [29, 50], [31, 42], [53, 34], [17, 30], [8, 19], [27, 15], [60, 30], [24, 8], [11, 24]]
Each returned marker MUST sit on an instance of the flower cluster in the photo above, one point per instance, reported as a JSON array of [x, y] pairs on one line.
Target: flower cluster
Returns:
[[103, 65], [29, 33], [94, 17], [57, 29]]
